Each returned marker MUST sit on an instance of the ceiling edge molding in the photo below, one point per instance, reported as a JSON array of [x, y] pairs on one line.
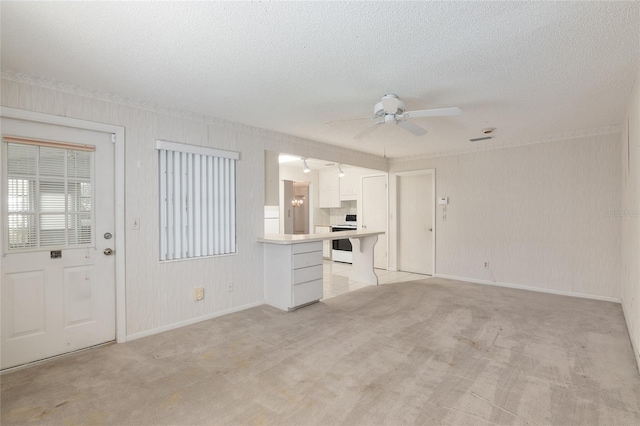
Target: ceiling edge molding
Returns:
[[514, 144], [128, 101]]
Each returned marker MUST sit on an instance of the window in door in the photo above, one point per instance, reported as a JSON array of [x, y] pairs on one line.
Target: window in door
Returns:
[[49, 194]]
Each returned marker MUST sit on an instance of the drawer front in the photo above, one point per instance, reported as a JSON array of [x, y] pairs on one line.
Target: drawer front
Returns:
[[304, 260], [307, 292], [307, 247], [307, 274]]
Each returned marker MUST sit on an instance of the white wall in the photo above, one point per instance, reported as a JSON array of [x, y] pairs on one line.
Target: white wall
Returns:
[[630, 218], [271, 178], [159, 295], [536, 213]]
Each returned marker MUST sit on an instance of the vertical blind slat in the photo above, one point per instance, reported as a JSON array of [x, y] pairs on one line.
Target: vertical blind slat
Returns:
[[210, 206], [170, 208], [197, 205], [197, 197], [163, 205], [232, 204], [177, 208], [227, 199], [190, 204], [216, 206], [183, 204]]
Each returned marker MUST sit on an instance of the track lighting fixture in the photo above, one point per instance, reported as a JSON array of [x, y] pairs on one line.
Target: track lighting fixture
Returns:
[[306, 166], [340, 172]]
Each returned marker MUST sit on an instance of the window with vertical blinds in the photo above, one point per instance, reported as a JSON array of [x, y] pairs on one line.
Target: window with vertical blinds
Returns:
[[49, 193], [197, 201]]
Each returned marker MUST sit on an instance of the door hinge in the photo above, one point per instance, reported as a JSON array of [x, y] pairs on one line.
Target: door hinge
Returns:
[[113, 137]]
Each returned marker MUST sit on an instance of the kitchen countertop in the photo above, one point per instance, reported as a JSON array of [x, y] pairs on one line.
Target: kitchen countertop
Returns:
[[305, 238]]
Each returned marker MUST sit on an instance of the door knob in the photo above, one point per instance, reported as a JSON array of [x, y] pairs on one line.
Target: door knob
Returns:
[[108, 251], [431, 229]]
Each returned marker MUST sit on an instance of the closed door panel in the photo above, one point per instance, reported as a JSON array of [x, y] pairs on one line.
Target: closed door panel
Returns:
[[58, 275], [415, 224]]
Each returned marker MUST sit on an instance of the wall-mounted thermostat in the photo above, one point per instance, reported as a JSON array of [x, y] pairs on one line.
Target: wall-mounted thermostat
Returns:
[[443, 200]]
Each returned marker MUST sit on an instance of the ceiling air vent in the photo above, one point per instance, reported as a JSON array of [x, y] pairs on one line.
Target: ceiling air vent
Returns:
[[483, 138]]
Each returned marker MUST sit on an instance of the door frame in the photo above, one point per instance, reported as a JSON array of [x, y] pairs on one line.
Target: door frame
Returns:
[[394, 208], [118, 133], [360, 215]]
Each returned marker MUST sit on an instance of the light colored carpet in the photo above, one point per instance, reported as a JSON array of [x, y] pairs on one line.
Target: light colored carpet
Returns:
[[422, 352]]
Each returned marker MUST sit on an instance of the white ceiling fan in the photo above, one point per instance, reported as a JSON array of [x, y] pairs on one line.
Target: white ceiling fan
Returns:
[[391, 110]]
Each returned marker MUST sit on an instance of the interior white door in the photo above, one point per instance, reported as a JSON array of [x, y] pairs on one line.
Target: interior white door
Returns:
[[374, 214], [415, 224], [58, 275]]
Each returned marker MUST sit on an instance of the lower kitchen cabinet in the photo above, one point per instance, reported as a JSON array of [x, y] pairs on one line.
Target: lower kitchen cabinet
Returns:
[[293, 274]]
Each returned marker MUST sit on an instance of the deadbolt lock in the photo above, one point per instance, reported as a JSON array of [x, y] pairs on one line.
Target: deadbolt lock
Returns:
[[108, 251]]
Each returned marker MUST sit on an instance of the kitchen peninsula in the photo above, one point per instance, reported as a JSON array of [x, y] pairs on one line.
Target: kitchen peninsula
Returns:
[[293, 265]]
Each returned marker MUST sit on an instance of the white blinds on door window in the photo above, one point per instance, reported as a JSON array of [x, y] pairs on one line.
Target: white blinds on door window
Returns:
[[49, 194], [197, 201]]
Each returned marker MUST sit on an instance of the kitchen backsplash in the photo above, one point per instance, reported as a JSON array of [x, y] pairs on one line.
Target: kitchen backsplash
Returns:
[[337, 216]]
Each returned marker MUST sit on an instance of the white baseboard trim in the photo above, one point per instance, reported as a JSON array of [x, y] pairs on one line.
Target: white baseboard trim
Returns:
[[173, 326], [634, 344], [524, 287]]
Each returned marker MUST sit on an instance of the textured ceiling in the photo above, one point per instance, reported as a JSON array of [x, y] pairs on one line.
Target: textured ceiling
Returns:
[[531, 69]]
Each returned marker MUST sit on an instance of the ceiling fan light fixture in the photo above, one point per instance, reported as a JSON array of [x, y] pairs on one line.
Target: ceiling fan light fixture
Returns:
[[392, 102], [306, 166], [340, 171], [391, 109]]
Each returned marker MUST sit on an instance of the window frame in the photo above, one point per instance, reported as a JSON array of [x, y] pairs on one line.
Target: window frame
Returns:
[[197, 221]]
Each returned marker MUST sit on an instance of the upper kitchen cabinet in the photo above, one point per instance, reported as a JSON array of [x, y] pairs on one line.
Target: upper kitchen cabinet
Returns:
[[329, 189], [350, 184]]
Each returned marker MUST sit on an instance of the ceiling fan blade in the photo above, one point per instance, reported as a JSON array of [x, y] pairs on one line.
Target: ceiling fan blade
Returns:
[[435, 112], [368, 130], [390, 104], [348, 119], [413, 128]]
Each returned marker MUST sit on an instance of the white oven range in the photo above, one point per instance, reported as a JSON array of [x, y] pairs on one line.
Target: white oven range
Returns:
[[341, 248]]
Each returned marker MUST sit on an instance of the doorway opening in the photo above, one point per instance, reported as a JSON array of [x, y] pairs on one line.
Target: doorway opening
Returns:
[[300, 205]]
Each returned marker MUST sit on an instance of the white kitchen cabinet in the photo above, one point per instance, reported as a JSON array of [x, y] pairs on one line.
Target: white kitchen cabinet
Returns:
[[326, 245], [329, 180], [293, 274], [350, 184], [329, 189], [329, 199]]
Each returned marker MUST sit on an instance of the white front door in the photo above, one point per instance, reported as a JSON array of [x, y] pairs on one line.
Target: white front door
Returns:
[[374, 214], [415, 223], [58, 275]]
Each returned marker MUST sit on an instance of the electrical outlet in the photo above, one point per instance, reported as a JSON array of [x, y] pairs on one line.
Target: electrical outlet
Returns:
[[486, 265], [198, 293], [229, 287]]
